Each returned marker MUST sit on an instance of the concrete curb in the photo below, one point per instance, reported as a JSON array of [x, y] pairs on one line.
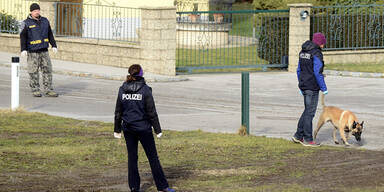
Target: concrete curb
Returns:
[[148, 76], [353, 74]]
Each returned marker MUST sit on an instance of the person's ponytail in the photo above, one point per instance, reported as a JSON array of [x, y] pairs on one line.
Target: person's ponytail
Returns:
[[130, 78]]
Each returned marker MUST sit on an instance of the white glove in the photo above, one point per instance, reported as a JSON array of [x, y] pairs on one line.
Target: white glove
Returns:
[[54, 49], [117, 135], [159, 135], [24, 53]]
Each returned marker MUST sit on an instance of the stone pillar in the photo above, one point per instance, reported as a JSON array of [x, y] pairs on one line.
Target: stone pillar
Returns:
[[48, 10], [299, 32], [157, 38]]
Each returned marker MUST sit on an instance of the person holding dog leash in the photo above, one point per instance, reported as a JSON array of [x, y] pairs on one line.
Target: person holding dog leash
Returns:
[[311, 81], [135, 115]]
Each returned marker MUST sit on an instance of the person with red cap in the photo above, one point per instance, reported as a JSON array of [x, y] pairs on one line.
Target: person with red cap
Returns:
[[311, 81]]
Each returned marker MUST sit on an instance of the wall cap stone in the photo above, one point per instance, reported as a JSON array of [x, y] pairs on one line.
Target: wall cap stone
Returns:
[[353, 52], [86, 41], [98, 42], [158, 8], [9, 35], [49, 1], [299, 5]]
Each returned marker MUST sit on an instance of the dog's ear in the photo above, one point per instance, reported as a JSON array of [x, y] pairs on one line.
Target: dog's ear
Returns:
[[362, 123], [354, 124]]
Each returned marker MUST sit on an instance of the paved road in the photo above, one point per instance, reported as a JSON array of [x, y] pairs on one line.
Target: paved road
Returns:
[[212, 102]]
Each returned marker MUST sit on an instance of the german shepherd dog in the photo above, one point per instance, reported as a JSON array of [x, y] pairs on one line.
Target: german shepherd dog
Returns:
[[345, 121]]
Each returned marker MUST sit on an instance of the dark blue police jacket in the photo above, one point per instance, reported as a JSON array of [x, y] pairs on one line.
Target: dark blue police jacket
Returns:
[[135, 108], [310, 68]]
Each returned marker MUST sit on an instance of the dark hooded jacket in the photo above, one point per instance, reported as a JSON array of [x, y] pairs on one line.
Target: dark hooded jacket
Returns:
[[310, 68], [135, 108]]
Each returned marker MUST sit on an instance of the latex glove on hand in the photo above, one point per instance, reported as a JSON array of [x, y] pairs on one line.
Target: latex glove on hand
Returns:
[[54, 49], [117, 135], [159, 135], [301, 92], [325, 92], [24, 53]]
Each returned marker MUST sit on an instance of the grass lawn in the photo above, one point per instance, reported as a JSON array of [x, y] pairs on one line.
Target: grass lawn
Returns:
[[243, 24], [223, 58], [218, 57], [39, 152], [373, 68]]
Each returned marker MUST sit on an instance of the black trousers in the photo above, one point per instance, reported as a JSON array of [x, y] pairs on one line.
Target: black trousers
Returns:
[[147, 141]]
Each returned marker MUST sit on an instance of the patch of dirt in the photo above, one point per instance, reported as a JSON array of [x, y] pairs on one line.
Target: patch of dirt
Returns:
[[330, 170], [101, 180], [229, 172], [80, 181], [325, 170]]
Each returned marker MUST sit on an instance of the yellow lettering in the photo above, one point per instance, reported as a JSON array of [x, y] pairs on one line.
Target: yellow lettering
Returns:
[[35, 42]]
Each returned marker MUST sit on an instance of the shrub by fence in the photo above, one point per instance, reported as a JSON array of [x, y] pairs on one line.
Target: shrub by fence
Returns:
[[273, 38], [8, 23]]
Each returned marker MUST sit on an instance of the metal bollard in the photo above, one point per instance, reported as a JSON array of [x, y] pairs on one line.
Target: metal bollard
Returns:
[[245, 100], [15, 83]]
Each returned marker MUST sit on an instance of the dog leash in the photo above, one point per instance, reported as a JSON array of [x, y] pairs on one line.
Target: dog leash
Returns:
[[341, 118]]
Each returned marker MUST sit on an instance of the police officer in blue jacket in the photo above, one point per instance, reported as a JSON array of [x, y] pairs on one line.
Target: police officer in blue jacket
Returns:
[[311, 81], [135, 115], [35, 37]]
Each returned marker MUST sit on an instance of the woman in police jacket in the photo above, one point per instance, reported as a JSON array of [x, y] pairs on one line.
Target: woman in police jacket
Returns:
[[135, 115]]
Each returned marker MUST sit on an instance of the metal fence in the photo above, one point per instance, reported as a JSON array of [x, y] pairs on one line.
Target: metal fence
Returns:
[[192, 5], [231, 40], [12, 12], [97, 21], [350, 27]]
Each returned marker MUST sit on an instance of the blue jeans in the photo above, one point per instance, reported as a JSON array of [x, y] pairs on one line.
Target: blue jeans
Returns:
[[304, 127]]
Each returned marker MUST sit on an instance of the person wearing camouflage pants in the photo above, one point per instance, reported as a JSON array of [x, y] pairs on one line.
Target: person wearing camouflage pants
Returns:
[[35, 37], [36, 62]]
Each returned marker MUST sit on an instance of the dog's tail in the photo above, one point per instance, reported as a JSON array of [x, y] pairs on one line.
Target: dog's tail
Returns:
[[322, 100]]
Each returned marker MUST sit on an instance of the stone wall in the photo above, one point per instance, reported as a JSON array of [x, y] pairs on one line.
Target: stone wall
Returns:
[[354, 56], [157, 38], [92, 51], [299, 30]]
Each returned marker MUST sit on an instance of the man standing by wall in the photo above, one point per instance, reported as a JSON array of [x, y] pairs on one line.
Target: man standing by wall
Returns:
[[35, 35]]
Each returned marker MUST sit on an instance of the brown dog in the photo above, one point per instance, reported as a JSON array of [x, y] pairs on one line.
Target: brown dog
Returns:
[[345, 121]]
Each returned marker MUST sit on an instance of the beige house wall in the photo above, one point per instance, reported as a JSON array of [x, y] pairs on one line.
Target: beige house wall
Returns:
[[17, 8], [132, 3]]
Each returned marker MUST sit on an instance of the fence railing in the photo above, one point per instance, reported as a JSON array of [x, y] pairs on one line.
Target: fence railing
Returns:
[[220, 40], [97, 21], [12, 12], [192, 5], [350, 27]]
